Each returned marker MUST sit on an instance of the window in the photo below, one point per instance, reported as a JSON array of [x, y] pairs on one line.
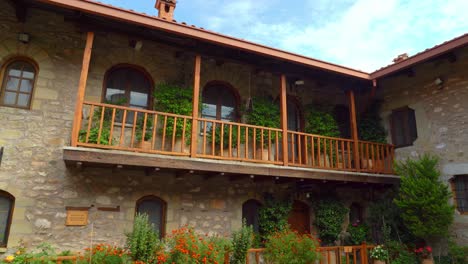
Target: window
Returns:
[[403, 127], [250, 213], [18, 84], [220, 102], [155, 208], [7, 202], [460, 189], [129, 86]]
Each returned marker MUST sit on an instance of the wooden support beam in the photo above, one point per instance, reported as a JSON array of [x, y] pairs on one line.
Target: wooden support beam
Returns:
[[196, 98], [82, 88], [354, 128], [284, 119]]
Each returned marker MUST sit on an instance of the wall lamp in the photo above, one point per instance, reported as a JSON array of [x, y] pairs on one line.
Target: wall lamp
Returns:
[[24, 37], [439, 82]]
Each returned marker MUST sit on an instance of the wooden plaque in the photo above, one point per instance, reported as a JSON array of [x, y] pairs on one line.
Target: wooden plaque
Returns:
[[77, 217], [348, 249]]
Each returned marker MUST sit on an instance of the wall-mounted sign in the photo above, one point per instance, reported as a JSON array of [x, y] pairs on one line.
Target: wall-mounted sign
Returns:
[[77, 217]]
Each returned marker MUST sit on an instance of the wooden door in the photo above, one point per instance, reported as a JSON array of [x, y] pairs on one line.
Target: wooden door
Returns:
[[299, 218]]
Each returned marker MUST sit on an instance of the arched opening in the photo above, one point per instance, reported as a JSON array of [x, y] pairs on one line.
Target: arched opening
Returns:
[[220, 101], [7, 204], [250, 210], [155, 208], [19, 79], [299, 218]]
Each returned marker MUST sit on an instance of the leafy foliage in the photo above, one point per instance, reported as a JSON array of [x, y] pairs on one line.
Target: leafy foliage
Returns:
[[273, 216], [329, 218], [143, 241], [289, 247], [241, 242], [170, 98], [358, 233], [320, 121], [105, 254], [265, 113], [458, 254], [379, 253], [423, 198], [226, 136], [140, 126], [400, 253], [370, 124]]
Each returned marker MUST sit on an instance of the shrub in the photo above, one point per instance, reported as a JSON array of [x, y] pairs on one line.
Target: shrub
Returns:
[[458, 254], [273, 216], [143, 241], [358, 233], [105, 254], [423, 198], [370, 124], [265, 113], [329, 218], [400, 253], [241, 242], [288, 247], [185, 246]]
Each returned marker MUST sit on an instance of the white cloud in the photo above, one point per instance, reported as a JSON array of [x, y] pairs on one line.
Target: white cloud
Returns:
[[363, 34]]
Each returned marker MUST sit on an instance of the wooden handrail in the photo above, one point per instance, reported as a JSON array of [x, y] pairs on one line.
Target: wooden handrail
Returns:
[[237, 124], [135, 109]]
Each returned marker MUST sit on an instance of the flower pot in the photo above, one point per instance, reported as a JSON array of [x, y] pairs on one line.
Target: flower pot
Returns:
[[367, 164], [144, 145], [379, 261], [323, 161], [178, 147], [262, 154], [428, 261]]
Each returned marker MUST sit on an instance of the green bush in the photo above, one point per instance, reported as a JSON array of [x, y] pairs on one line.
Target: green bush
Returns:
[[358, 233], [288, 247], [458, 254], [265, 113], [241, 242], [320, 121], [170, 98], [423, 198], [273, 215], [329, 217], [143, 241], [370, 126], [400, 253]]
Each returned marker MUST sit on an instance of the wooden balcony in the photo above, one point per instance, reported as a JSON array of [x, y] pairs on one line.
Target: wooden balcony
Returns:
[[124, 129]]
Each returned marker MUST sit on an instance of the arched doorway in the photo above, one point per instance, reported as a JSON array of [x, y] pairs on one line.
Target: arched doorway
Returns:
[[299, 218]]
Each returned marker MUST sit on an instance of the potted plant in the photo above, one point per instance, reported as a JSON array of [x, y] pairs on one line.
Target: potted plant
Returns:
[[227, 135], [171, 98], [93, 136], [379, 254], [424, 254], [265, 113], [319, 120], [370, 128]]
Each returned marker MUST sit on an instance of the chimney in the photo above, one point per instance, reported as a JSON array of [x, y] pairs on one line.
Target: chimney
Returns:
[[166, 9], [401, 57]]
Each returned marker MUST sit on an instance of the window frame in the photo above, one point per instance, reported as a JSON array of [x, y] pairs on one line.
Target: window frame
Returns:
[[11, 198], [454, 192], [162, 228], [408, 137], [3, 76], [127, 87], [232, 90]]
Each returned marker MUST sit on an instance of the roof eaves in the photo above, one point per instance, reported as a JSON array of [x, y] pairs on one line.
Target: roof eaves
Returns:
[[422, 56], [143, 19]]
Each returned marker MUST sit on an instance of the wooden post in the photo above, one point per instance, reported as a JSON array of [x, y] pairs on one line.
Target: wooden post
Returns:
[[364, 258], [196, 98], [284, 119], [354, 129], [82, 88]]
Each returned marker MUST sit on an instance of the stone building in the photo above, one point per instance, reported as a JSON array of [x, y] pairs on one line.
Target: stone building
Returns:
[[70, 152]]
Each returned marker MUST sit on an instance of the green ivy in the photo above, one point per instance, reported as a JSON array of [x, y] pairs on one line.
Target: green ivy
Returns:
[[226, 136], [265, 113], [321, 121], [370, 124], [329, 219], [273, 216], [358, 233]]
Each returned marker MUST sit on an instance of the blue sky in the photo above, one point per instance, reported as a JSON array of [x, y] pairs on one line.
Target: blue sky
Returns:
[[362, 34]]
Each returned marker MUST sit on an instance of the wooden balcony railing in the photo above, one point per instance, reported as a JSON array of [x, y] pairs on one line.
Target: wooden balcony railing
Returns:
[[123, 128]]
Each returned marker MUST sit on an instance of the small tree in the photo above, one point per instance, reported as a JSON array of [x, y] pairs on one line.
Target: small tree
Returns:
[[329, 218], [241, 242], [423, 198]]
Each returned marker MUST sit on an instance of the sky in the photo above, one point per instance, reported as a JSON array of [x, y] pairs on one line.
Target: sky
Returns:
[[361, 34]]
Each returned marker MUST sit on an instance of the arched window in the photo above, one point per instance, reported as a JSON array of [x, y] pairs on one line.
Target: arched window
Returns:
[[155, 208], [7, 202], [18, 83], [128, 85], [355, 214], [250, 213], [220, 101]]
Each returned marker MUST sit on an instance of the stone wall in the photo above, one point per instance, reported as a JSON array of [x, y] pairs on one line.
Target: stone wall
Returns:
[[441, 117], [33, 169]]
